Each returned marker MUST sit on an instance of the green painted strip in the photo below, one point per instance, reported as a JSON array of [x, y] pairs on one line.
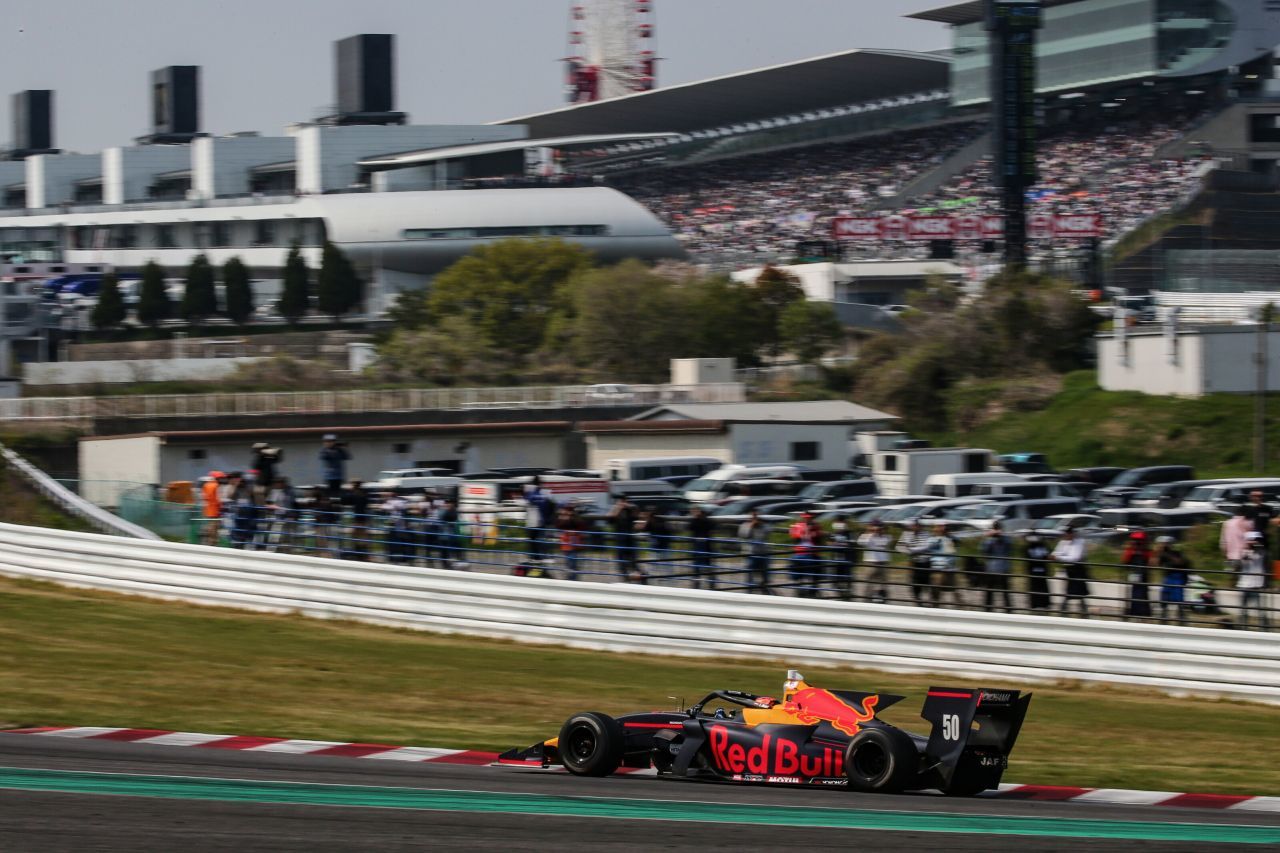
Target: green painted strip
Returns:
[[237, 790]]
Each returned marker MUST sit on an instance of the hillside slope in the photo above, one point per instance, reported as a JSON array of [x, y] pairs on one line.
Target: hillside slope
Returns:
[[1083, 425]]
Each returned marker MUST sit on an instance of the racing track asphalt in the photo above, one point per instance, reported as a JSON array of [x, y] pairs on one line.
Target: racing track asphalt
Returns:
[[57, 820]]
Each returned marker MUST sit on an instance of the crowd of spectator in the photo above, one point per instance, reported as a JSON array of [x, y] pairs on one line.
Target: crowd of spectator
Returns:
[[258, 509], [759, 207]]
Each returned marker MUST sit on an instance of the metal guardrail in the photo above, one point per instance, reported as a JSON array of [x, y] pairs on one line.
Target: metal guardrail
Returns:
[[70, 502], [658, 620], [334, 402]]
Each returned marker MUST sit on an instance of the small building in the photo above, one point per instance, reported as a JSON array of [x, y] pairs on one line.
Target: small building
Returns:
[[817, 434], [162, 457], [1188, 362]]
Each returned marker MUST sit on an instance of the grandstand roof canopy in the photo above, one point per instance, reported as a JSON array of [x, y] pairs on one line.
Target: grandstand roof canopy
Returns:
[[854, 76], [477, 149], [968, 13]]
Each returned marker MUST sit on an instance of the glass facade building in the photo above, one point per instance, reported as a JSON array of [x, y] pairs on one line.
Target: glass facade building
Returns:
[[1096, 42]]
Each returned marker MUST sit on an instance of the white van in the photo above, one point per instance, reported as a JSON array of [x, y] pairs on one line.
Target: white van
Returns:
[[1035, 490], [402, 480], [710, 487], [963, 485], [660, 466], [1015, 516], [487, 501]]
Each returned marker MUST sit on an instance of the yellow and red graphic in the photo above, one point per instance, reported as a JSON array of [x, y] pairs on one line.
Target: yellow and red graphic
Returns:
[[813, 704]]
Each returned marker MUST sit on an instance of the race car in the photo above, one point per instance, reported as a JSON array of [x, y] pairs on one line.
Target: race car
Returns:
[[812, 736]]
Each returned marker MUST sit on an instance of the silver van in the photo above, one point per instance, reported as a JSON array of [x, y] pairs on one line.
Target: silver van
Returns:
[[1016, 515]]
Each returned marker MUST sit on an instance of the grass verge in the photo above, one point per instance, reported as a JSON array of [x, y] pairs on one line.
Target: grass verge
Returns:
[[1084, 425], [72, 657]]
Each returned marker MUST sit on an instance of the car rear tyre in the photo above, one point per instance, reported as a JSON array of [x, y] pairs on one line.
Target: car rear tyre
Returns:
[[881, 760], [591, 744]]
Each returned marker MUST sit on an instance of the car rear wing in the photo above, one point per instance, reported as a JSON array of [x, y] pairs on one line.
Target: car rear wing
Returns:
[[982, 718]]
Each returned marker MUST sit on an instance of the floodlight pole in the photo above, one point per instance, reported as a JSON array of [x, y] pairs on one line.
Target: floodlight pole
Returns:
[[1013, 25]]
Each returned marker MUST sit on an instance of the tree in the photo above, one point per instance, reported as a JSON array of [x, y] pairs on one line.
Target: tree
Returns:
[[627, 323], [237, 291], [153, 298], [200, 299], [109, 312], [508, 290], [338, 288], [810, 330], [727, 320], [450, 352], [776, 290], [410, 310], [295, 295]]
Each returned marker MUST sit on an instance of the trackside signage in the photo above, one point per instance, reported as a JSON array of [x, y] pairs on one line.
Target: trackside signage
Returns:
[[1041, 226]]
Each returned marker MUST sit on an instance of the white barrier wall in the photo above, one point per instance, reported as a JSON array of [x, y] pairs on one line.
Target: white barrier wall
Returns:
[[625, 618]]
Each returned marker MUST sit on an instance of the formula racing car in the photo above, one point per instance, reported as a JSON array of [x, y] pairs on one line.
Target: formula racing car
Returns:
[[812, 736]]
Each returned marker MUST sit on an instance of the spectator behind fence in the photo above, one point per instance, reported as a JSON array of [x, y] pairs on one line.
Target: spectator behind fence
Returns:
[[845, 555], [1231, 539], [754, 534], [1137, 556], [622, 521], [265, 461], [1037, 552], [1173, 587], [996, 551], [941, 549], [701, 531], [539, 516], [1070, 554], [807, 569], [914, 542], [356, 500], [1262, 515], [876, 547], [570, 525], [1252, 580], [211, 507], [282, 507], [333, 464], [244, 516]]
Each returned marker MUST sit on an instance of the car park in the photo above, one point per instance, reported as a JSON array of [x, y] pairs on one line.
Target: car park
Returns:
[[1028, 491], [659, 467], [1099, 476], [635, 489], [926, 512], [1025, 463], [1054, 526]]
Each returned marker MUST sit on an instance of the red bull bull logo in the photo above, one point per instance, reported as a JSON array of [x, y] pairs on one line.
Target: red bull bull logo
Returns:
[[813, 704]]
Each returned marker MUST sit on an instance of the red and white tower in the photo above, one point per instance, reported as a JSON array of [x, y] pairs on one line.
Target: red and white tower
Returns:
[[611, 49]]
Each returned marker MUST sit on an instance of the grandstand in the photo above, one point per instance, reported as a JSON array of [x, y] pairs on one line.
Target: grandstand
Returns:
[[1142, 99]]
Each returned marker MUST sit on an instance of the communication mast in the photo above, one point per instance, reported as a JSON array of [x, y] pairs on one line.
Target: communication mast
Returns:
[[611, 49]]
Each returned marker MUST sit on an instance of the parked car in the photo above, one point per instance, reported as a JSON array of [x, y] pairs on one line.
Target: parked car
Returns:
[[1169, 495], [1227, 496], [926, 512], [1054, 526], [1027, 491], [1016, 515], [1025, 463], [839, 489], [714, 485], [1099, 476], [963, 485], [828, 475], [1157, 522], [1128, 483]]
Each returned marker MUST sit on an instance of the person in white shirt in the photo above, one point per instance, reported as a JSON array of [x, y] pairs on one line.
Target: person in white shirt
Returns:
[[1251, 581], [876, 545], [1070, 554]]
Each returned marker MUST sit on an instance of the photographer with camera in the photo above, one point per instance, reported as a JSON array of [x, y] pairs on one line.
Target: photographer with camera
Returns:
[[333, 464], [266, 462]]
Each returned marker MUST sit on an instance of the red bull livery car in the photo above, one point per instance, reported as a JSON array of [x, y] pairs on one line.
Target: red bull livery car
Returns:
[[812, 736]]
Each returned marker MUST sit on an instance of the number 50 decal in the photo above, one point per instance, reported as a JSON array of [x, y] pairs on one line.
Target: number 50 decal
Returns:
[[950, 727]]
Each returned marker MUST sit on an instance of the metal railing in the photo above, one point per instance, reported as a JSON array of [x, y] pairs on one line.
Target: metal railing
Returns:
[[1219, 596], [334, 402], [71, 502]]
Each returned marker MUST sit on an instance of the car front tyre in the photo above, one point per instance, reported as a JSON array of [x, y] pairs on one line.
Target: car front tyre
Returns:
[[591, 744]]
